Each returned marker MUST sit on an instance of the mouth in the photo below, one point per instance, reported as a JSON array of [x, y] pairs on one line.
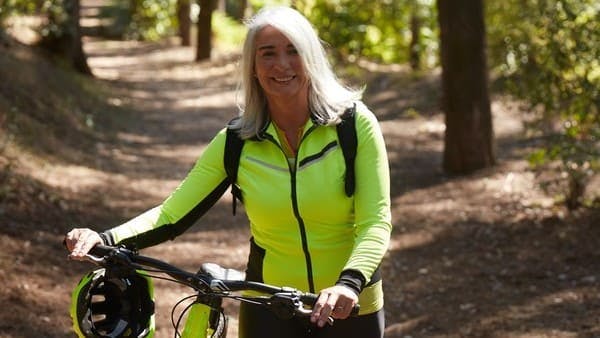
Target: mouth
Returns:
[[284, 79]]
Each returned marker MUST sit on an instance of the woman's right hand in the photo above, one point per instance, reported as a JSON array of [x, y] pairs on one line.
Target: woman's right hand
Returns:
[[80, 241]]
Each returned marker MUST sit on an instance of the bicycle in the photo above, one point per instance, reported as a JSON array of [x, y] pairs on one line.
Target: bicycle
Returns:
[[212, 283]]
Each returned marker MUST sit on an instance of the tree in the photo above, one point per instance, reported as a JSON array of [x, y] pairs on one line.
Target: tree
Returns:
[[204, 47], [414, 54], [63, 34], [183, 18], [76, 54], [236, 8], [468, 143]]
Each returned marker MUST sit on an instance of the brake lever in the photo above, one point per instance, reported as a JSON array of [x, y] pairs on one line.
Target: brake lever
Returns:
[[94, 259]]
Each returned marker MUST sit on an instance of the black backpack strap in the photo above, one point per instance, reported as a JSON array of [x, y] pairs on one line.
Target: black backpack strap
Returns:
[[231, 161], [346, 131]]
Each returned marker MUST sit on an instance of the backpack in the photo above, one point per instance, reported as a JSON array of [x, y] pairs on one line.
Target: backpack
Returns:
[[346, 132]]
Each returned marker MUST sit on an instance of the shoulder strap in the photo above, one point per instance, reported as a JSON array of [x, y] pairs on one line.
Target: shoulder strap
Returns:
[[231, 161], [346, 131]]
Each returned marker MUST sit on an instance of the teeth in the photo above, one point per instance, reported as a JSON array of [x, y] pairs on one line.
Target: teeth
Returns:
[[283, 79]]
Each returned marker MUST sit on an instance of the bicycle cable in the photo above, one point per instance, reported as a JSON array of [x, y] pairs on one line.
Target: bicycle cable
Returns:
[[186, 309], [221, 323]]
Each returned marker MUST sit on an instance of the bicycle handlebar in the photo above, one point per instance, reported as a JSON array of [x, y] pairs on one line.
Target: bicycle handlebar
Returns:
[[203, 281]]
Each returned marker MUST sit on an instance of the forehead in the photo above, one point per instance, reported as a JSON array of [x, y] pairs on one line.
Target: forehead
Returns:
[[270, 36]]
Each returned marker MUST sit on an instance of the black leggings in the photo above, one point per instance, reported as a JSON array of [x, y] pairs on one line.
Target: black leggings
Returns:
[[258, 322]]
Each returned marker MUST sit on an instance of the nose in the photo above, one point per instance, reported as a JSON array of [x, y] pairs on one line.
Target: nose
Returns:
[[283, 61]]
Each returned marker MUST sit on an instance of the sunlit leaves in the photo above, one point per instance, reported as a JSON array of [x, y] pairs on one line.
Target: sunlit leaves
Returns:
[[152, 19], [550, 51], [377, 30]]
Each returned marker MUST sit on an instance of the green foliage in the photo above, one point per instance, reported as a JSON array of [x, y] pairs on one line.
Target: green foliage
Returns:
[[11, 7], [228, 32], [258, 4], [57, 25], [377, 30], [152, 19], [550, 51]]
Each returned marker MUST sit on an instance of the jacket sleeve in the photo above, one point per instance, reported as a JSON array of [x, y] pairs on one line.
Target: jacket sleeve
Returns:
[[199, 191], [372, 204]]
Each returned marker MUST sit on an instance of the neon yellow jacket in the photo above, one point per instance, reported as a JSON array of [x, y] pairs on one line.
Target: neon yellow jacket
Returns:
[[305, 230]]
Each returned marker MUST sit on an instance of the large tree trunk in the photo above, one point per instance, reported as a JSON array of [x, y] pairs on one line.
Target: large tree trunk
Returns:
[[183, 16], [468, 143], [205, 29]]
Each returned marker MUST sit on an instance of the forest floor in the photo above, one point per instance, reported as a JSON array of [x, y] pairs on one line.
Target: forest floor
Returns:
[[483, 255]]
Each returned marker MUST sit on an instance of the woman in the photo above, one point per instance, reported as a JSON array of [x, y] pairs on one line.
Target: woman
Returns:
[[306, 232]]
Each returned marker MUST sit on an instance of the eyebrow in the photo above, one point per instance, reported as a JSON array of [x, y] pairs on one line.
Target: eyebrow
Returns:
[[264, 47]]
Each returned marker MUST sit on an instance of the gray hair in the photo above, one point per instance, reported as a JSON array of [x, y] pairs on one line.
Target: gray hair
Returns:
[[327, 97]]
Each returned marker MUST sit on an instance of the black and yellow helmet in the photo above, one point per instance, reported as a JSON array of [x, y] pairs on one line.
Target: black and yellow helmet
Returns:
[[107, 305]]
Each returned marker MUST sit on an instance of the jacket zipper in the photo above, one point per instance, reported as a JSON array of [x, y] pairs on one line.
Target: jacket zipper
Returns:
[[301, 226]]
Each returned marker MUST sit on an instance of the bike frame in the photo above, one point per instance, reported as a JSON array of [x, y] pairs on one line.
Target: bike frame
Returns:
[[197, 324], [204, 318]]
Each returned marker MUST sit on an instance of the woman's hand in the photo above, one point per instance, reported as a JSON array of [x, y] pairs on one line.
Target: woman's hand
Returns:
[[80, 241], [336, 301]]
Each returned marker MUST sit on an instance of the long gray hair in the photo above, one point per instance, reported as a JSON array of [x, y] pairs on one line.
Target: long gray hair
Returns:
[[327, 97]]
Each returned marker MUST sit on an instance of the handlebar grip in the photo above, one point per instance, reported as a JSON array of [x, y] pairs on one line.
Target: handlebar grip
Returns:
[[311, 299], [101, 250]]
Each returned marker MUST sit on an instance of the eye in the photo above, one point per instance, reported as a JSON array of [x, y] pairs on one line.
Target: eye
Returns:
[[266, 53]]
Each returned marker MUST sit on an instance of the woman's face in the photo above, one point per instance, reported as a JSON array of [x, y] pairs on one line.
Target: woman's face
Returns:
[[278, 66]]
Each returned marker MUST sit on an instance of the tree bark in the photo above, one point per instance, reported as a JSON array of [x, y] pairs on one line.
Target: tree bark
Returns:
[[204, 46], [468, 142], [183, 16], [414, 50], [74, 51]]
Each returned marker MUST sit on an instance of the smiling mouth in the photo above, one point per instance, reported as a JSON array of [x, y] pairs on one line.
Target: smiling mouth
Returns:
[[284, 79]]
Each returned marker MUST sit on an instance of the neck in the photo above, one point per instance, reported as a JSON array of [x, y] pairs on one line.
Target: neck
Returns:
[[289, 115]]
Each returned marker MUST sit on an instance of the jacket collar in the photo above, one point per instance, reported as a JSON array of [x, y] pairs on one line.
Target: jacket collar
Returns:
[[268, 128]]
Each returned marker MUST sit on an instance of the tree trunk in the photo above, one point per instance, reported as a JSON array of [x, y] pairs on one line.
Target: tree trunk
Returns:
[[183, 16], [414, 50], [76, 53], [66, 41], [205, 30], [468, 143], [236, 9]]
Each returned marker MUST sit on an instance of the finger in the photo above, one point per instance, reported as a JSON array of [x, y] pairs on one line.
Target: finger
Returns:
[[85, 242], [318, 306], [321, 309], [341, 311], [327, 309], [73, 237]]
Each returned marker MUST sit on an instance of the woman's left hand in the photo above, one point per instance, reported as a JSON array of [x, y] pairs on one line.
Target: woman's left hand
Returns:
[[336, 301]]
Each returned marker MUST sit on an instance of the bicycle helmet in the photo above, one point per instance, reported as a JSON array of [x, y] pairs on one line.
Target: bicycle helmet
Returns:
[[110, 305]]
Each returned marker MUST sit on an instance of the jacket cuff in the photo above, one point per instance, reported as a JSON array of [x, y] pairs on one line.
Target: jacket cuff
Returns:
[[352, 279]]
